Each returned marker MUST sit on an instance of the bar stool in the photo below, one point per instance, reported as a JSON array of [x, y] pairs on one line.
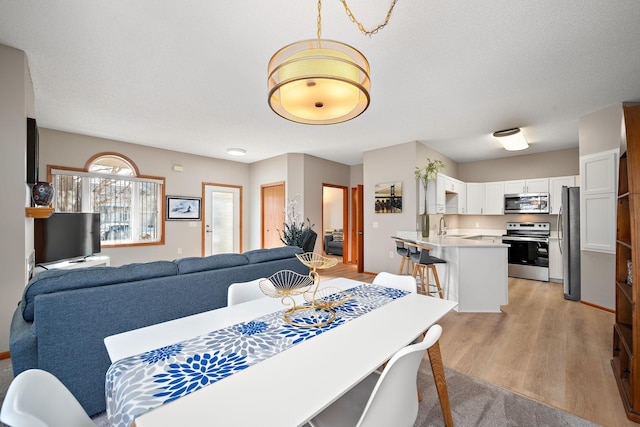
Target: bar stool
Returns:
[[403, 251], [422, 264]]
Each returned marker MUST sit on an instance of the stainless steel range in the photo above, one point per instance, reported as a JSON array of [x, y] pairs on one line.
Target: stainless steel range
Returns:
[[529, 250]]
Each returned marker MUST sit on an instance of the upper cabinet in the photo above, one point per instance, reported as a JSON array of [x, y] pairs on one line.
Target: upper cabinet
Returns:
[[494, 198], [446, 195], [598, 174], [475, 198], [538, 185], [555, 194]]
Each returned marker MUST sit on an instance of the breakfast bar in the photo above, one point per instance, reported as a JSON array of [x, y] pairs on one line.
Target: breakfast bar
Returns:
[[475, 272]]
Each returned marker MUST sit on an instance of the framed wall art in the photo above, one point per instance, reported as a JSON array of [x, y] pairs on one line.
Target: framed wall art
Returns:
[[183, 208], [388, 198]]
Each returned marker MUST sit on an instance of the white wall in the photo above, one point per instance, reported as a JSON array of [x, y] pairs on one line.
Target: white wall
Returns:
[[16, 231], [332, 208]]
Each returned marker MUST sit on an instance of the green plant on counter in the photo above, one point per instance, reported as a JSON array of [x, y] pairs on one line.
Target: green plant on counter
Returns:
[[426, 174]]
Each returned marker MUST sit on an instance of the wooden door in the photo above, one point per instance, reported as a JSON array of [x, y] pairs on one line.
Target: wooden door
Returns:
[[357, 227], [272, 214]]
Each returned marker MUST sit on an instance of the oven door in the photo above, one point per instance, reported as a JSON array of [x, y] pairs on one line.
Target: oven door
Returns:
[[528, 257]]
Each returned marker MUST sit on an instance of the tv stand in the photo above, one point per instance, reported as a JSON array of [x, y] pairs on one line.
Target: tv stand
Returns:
[[90, 261]]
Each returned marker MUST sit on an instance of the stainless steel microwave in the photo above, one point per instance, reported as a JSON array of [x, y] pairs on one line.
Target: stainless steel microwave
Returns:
[[526, 203]]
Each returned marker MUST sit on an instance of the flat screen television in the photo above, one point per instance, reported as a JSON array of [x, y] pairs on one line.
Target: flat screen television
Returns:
[[64, 236]]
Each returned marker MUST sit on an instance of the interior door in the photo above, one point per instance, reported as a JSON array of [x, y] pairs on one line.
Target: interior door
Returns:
[[357, 226], [222, 216], [272, 214], [335, 213]]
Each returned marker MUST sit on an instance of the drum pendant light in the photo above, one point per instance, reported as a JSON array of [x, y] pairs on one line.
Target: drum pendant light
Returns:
[[320, 81]]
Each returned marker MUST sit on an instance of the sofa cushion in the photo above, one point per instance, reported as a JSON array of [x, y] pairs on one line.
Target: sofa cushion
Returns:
[[212, 262], [64, 280], [263, 255], [338, 236]]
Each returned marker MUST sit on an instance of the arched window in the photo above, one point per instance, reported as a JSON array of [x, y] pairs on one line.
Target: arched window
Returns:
[[130, 205]]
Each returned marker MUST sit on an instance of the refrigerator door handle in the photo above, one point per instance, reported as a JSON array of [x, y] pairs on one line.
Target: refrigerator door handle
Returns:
[[559, 228]]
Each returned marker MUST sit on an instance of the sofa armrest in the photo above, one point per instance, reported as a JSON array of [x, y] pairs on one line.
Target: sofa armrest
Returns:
[[23, 344], [327, 238]]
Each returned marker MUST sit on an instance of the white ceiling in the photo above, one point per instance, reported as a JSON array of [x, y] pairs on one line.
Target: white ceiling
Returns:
[[191, 75]]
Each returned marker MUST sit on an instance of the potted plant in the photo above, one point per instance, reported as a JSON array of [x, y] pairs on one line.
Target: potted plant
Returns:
[[426, 174]]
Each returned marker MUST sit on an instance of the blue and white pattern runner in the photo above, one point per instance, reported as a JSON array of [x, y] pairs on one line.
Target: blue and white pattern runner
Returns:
[[137, 384]]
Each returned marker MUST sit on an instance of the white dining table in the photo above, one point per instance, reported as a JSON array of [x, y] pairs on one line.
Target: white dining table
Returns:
[[290, 387]]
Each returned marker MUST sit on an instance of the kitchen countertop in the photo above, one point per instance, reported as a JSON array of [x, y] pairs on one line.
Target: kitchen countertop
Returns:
[[456, 238]]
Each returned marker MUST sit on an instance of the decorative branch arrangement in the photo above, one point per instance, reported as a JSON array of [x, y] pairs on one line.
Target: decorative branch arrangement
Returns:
[[429, 172], [295, 229]]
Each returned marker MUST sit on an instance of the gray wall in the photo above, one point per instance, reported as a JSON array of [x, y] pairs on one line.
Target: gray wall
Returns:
[[73, 150], [599, 131], [393, 164], [16, 231], [541, 165]]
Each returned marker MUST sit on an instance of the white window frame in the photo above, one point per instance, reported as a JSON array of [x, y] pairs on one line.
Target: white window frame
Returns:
[[136, 230]]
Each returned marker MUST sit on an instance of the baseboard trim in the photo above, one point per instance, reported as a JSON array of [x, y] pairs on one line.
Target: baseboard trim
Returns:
[[598, 306], [369, 272], [5, 355]]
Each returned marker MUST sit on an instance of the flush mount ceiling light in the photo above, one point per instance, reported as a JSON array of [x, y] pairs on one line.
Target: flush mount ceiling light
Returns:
[[512, 139], [321, 82], [238, 152]]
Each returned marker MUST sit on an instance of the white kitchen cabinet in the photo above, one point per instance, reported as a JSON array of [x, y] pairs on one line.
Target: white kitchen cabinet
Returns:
[[475, 198], [555, 261], [446, 195], [598, 201], [453, 185], [436, 202], [538, 185], [462, 198], [493, 198], [555, 195]]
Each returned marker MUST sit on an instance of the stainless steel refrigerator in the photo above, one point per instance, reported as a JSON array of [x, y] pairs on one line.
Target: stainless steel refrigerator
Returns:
[[569, 241]]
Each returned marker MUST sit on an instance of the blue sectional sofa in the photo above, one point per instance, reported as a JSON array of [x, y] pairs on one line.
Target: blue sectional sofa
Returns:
[[64, 315]]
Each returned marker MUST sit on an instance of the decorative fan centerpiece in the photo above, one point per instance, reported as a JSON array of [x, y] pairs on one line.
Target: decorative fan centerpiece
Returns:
[[286, 284]]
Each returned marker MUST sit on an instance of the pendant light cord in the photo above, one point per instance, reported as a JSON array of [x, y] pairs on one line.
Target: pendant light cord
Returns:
[[354, 20], [361, 27], [319, 20]]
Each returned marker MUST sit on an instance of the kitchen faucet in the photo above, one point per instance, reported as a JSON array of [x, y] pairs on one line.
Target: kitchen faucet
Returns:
[[442, 232]]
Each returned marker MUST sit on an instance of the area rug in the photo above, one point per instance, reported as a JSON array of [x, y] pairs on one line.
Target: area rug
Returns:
[[473, 402], [477, 403]]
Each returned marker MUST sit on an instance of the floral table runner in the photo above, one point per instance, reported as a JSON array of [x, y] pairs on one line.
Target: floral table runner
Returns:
[[137, 384]]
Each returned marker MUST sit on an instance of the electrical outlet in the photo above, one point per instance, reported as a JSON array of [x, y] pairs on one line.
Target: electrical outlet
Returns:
[[477, 225], [391, 254], [179, 251]]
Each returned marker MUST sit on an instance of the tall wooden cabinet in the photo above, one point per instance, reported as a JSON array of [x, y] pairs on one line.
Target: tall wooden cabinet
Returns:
[[626, 331]]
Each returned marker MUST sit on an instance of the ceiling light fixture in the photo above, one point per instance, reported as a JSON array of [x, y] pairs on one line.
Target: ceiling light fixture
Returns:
[[321, 82], [512, 139], [238, 152]]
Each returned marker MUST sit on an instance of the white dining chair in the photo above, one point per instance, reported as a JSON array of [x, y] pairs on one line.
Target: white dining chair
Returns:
[[398, 281], [386, 399], [244, 291], [36, 398]]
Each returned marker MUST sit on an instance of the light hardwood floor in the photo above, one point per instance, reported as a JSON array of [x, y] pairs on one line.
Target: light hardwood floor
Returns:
[[541, 346]]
